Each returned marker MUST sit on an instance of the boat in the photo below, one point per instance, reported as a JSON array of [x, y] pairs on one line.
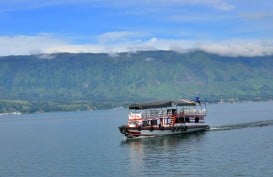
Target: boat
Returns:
[[161, 118]]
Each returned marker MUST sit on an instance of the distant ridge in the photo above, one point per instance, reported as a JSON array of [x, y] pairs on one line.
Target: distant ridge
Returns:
[[65, 81]]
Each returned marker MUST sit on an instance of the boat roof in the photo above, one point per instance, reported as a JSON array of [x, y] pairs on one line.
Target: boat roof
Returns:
[[161, 104]]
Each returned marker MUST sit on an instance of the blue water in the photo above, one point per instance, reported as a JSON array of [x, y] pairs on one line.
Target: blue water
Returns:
[[89, 144]]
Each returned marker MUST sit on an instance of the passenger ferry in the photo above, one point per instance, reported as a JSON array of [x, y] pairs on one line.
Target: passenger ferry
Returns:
[[165, 118]]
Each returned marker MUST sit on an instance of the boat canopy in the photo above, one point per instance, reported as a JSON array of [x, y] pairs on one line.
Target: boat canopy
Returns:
[[161, 104]]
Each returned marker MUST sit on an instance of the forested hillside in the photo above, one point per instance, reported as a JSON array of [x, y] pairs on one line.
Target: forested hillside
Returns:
[[66, 81]]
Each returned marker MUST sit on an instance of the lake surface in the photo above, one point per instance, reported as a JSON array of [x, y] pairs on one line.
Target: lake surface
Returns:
[[88, 144]]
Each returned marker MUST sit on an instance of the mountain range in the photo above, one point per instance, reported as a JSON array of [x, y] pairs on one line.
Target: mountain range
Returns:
[[84, 81]]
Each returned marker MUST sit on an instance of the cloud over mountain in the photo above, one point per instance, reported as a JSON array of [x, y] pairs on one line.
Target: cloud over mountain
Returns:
[[114, 42]]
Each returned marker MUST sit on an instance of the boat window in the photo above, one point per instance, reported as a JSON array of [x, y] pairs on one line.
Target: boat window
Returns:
[[167, 121], [145, 123], [180, 120], [153, 122], [169, 112], [174, 112]]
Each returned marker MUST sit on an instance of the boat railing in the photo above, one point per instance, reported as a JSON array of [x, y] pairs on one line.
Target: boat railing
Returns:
[[153, 114], [201, 111]]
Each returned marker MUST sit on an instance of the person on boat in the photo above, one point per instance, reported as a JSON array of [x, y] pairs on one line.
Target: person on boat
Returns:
[[198, 100]]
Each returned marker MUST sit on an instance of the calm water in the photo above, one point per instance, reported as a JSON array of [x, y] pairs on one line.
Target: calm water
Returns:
[[88, 144]]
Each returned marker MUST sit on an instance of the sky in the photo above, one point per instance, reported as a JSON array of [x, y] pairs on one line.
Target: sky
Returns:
[[225, 27]]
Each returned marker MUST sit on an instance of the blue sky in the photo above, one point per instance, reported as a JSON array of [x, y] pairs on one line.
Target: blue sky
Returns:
[[226, 27]]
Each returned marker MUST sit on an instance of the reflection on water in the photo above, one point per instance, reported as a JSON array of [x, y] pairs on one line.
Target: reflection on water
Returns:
[[163, 140], [162, 154]]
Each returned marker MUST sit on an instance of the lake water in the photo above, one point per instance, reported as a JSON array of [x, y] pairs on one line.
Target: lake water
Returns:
[[88, 144]]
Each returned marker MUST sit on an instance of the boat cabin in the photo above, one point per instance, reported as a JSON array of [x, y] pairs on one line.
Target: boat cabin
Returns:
[[166, 114]]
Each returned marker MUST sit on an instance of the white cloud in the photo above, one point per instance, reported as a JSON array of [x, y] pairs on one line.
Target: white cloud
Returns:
[[222, 5], [118, 36], [237, 48], [46, 43], [13, 5], [24, 45], [257, 15], [73, 48], [217, 4], [234, 48]]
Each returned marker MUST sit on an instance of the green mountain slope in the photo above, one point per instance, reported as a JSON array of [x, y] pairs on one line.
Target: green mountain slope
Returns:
[[66, 81]]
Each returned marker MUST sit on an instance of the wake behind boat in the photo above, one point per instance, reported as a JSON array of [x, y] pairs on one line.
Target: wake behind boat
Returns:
[[164, 118]]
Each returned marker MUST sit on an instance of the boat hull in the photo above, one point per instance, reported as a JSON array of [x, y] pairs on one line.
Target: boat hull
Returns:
[[134, 132]]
